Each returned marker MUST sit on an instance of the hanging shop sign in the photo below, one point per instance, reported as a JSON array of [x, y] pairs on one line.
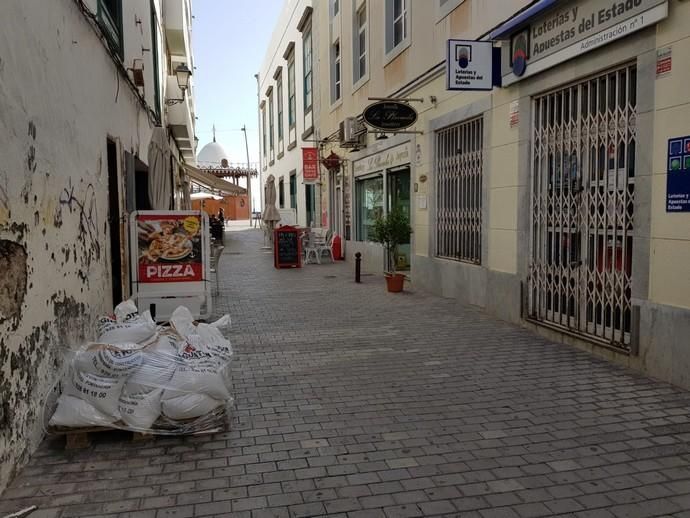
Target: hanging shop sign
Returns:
[[390, 115], [310, 164], [470, 65], [678, 175], [574, 29]]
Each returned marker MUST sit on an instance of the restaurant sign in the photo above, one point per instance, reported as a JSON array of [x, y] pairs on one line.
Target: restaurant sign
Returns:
[[310, 164], [390, 115], [169, 248], [574, 29]]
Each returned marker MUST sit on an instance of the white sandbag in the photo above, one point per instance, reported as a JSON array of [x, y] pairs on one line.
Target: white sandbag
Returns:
[[109, 361], [140, 410], [158, 365], [182, 321], [223, 323], [198, 372], [203, 337], [127, 326], [73, 412], [189, 406], [101, 392], [214, 342]]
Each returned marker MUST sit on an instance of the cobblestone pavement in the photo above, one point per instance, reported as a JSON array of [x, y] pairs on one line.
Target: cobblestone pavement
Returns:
[[352, 402]]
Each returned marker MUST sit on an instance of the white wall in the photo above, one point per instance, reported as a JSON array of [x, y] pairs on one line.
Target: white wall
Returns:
[[285, 32], [60, 99]]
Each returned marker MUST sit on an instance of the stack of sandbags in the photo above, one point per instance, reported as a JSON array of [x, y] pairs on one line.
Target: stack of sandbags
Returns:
[[138, 373], [200, 382]]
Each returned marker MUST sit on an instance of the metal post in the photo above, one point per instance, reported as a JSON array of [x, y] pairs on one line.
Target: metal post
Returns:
[[249, 175], [358, 267]]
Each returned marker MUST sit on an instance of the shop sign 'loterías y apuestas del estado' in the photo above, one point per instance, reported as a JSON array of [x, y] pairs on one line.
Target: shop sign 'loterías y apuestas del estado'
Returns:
[[574, 29]]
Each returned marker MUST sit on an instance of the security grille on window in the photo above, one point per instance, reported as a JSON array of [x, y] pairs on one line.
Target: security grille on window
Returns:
[[583, 190], [459, 159]]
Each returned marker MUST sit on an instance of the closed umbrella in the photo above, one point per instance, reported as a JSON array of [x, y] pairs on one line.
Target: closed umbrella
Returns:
[[160, 182], [270, 215]]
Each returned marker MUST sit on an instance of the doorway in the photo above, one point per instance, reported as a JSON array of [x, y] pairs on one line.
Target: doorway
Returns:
[[114, 223], [310, 197], [583, 191], [398, 189]]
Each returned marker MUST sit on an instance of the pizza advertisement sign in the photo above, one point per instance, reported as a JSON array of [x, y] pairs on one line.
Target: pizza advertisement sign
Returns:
[[169, 248]]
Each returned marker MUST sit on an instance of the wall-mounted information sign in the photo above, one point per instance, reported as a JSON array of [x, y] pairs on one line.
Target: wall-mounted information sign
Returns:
[[678, 175], [470, 65]]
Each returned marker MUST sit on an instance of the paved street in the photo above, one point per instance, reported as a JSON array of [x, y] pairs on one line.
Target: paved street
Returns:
[[357, 403]]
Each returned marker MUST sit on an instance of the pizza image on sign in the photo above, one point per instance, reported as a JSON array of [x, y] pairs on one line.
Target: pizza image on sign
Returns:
[[169, 248]]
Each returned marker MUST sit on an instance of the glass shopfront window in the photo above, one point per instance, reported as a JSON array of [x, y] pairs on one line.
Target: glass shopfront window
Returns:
[[370, 204]]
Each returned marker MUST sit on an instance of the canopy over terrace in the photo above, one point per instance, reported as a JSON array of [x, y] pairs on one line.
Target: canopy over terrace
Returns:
[[212, 182]]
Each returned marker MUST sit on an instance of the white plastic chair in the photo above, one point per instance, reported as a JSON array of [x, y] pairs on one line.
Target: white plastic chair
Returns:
[[319, 244], [311, 248]]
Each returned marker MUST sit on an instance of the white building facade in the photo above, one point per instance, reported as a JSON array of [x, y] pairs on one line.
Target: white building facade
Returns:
[[288, 111], [559, 200], [84, 86]]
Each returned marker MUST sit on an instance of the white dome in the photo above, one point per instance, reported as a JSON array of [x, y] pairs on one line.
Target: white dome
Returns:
[[212, 155]]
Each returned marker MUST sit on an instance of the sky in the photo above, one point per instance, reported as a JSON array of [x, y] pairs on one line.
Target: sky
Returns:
[[230, 38]]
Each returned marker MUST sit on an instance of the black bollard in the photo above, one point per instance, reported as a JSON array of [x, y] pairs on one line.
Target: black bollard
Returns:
[[358, 267]]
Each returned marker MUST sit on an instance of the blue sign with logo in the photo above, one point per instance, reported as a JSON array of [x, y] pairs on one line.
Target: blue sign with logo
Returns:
[[678, 175], [519, 52]]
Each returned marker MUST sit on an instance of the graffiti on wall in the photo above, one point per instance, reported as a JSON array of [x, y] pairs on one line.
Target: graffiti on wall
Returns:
[[4, 198], [83, 203]]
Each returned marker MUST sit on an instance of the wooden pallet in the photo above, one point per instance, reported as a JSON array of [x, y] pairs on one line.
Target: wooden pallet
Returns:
[[80, 438]]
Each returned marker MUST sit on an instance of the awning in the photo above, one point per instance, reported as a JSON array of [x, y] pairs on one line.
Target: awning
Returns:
[[213, 182], [537, 7]]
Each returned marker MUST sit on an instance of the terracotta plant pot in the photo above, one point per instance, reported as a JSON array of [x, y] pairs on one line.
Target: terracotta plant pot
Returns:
[[395, 282]]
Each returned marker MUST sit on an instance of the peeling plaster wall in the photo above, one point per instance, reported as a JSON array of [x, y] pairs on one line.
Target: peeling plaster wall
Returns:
[[60, 98]]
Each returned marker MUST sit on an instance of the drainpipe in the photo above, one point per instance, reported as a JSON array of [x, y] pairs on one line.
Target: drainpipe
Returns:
[[258, 119]]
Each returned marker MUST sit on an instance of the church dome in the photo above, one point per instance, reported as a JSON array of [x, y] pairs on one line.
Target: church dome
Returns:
[[212, 155]]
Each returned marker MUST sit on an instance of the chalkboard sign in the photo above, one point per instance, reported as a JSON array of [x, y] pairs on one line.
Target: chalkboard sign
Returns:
[[287, 249]]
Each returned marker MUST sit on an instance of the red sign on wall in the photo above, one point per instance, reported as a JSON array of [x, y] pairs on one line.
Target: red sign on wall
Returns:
[[310, 161], [169, 248]]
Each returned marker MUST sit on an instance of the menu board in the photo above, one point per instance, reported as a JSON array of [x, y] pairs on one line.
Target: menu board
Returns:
[[287, 248], [169, 248]]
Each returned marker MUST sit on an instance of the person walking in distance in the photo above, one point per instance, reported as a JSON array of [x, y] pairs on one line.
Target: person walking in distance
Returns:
[[221, 216]]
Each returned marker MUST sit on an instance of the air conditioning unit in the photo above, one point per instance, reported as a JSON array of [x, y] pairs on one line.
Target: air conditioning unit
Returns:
[[351, 132]]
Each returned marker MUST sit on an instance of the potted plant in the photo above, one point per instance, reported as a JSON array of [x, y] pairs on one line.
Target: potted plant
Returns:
[[391, 231]]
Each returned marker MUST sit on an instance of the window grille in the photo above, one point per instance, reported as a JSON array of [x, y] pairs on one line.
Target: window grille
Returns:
[[583, 186], [459, 162]]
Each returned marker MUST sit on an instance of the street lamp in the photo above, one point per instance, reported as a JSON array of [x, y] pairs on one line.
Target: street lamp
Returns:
[[182, 73]]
